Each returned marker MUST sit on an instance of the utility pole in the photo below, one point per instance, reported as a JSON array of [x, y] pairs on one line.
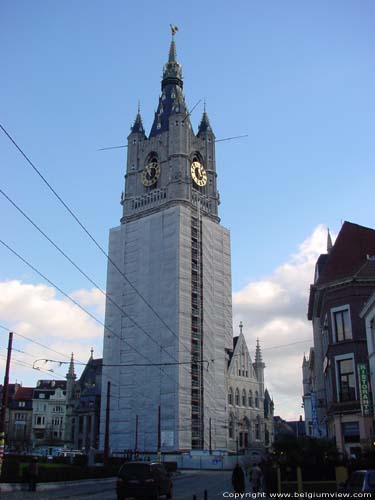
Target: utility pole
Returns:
[[210, 437], [5, 401], [106, 433], [136, 437], [159, 434]]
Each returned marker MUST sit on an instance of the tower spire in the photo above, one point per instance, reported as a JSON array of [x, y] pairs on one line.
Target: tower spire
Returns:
[[329, 242], [137, 127], [71, 374], [172, 73], [204, 125], [258, 354]]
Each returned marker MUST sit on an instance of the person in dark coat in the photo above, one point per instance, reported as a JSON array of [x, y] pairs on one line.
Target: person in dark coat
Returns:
[[33, 474], [238, 479]]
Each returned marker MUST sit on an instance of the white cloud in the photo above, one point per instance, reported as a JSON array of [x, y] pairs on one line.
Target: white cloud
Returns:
[[90, 298], [37, 312], [274, 310]]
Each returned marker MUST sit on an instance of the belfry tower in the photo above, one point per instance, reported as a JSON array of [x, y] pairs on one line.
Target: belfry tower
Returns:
[[169, 312]]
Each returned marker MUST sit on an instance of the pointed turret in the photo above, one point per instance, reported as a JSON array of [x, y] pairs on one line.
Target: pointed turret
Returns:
[[204, 125], [329, 242], [70, 380], [71, 373], [258, 355], [259, 366], [137, 127]]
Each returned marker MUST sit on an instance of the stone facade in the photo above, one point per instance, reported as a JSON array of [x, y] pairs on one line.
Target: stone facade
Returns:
[[49, 414], [250, 427]]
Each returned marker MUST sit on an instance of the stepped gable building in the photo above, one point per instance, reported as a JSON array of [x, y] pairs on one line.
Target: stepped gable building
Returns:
[[169, 307], [250, 426], [336, 380]]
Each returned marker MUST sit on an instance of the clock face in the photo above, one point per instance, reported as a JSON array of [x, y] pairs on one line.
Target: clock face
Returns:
[[198, 174], [150, 173]]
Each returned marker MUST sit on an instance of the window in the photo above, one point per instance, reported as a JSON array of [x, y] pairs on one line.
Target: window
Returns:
[[341, 324], [257, 428], [250, 398], [230, 396], [231, 427], [256, 399], [237, 398], [350, 431], [21, 404], [346, 380], [243, 397]]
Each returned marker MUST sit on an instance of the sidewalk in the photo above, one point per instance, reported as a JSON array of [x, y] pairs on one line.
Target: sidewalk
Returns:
[[20, 491]]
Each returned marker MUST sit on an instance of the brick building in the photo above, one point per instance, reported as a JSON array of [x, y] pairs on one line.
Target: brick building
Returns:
[[338, 380]]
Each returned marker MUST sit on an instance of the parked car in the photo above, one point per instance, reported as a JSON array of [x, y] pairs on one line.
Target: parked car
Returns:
[[143, 480], [360, 481]]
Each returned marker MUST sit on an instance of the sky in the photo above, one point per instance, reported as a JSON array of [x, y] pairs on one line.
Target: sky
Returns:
[[296, 77]]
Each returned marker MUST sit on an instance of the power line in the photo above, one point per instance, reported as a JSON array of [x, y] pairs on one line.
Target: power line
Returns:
[[28, 365], [81, 271], [75, 217], [286, 345], [72, 300], [71, 261], [35, 342], [125, 364]]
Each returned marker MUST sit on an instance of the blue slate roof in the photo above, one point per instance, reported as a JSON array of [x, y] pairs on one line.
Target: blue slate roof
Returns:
[[171, 101]]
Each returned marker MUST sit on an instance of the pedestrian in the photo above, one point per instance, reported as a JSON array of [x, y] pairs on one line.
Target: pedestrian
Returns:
[[238, 479], [33, 473], [256, 478]]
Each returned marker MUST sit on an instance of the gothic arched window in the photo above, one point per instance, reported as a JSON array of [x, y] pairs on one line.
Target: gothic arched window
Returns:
[[237, 398], [257, 428], [230, 396], [243, 397], [256, 399], [250, 398], [231, 427]]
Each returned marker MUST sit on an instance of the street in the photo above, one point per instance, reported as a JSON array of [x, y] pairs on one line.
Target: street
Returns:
[[186, 485]]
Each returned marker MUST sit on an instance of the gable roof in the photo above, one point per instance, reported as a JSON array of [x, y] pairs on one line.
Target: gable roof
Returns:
[[24, 393], [352, 247]]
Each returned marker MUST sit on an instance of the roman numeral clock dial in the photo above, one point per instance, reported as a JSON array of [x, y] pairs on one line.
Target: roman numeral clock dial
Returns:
[[150, 173], [198, 174]]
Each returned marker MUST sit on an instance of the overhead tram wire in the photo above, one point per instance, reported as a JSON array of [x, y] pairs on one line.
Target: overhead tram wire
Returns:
[[121, 364], [35, 342], [216, 140], [74, 301], [47, 347], [16, 361], [80, 270]]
